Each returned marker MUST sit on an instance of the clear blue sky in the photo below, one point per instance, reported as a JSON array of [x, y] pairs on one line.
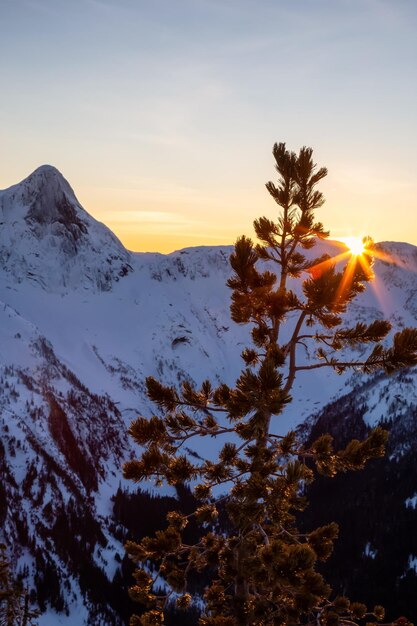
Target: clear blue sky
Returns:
[[162, 113]]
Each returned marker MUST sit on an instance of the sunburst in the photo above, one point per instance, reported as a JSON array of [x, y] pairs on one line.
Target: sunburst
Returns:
[[355, 252], [356, 245]]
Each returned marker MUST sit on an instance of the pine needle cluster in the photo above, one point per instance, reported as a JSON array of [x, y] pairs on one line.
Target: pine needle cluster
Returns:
[[263, 569]]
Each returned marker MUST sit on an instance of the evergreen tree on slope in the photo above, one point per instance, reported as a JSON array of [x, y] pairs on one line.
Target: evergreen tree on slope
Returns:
[[263, 569], [15, 607]]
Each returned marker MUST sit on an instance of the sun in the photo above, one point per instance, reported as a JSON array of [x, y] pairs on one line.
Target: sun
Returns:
[[356, 245]]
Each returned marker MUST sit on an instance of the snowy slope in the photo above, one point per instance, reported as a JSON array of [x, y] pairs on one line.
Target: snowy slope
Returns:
[[83, 321]]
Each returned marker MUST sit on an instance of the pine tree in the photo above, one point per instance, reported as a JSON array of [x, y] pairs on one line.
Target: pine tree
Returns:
[[15, 607], [263, 569]]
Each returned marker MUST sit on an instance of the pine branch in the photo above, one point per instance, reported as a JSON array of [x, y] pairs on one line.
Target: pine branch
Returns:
[[340, 364]]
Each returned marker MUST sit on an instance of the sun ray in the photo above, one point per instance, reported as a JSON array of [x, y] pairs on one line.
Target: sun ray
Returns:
[[320, 268], [357, 251], [347, 277], [387, 258], [377, 287]]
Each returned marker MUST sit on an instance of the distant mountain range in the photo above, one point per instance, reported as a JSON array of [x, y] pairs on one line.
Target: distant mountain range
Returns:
[[83, 321]]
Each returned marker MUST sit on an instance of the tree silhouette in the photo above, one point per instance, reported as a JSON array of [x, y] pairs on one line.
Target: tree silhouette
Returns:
[[15, 607], [262, 568]]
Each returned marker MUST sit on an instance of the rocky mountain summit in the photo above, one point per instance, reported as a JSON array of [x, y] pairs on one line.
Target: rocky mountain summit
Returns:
[[47, 237], [83, 321]]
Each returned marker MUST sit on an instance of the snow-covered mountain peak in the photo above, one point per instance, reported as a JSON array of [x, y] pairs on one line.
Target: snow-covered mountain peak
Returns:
[[43, 188], [46, 175], [46, 171], [47, 237]]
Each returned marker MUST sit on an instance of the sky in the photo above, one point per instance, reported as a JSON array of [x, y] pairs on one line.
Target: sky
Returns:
[[162, 114]]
